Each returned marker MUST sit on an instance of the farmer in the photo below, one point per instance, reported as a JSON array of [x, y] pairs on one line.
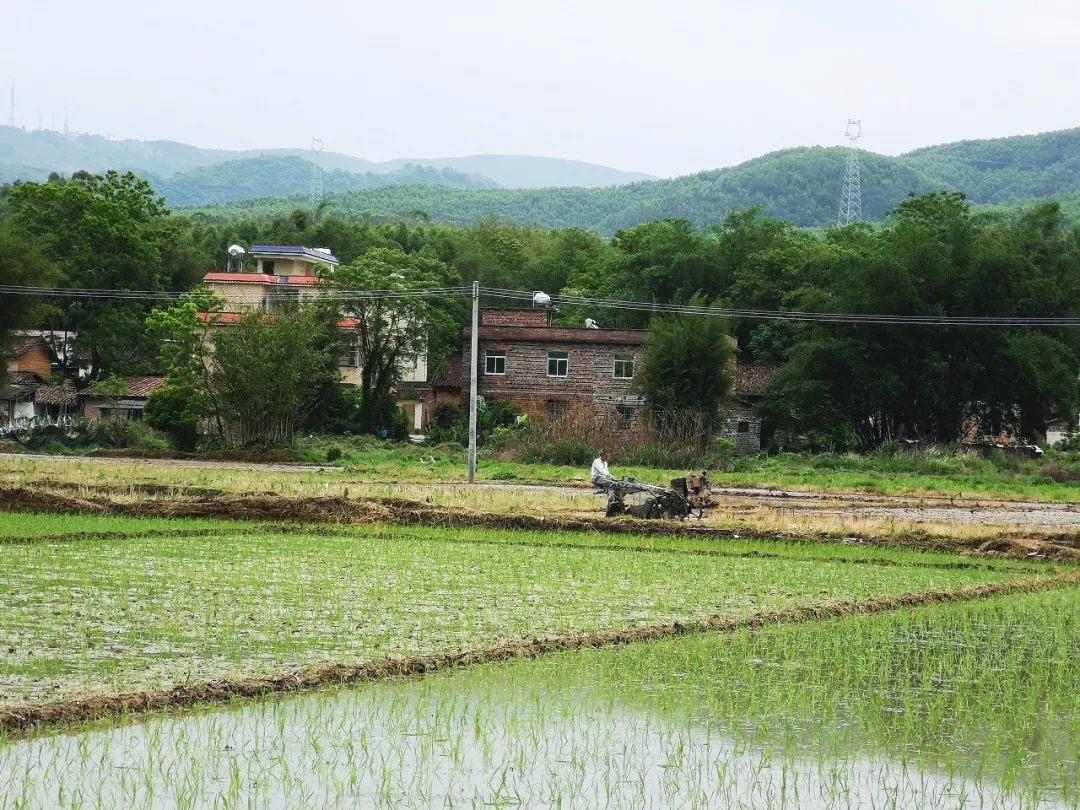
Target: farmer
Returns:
[[600, 475]]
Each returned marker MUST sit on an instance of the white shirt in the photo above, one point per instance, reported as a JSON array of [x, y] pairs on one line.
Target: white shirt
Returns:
[[599, 470]]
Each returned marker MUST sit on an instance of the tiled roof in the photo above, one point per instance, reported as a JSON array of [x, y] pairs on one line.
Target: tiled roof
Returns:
[[143, 386], [15, 392], [21, 344], [231, 318], [293, 250], [24, 378], [56, 395], [751, 381], [260, 278], [560, 334], [448, 374]]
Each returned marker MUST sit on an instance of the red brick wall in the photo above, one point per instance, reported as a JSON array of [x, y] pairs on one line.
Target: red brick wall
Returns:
[[515, 317], [36, 360], [590, 383]]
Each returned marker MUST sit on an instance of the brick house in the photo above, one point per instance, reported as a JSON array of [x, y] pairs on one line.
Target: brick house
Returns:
[[128, 407], [739, 421], [553, 372]]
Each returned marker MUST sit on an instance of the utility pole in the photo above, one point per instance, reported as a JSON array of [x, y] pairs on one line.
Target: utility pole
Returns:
[[474, 351], [851, 195]]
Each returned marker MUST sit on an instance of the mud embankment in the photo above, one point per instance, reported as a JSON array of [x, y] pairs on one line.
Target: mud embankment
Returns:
[[25, 719], [262, 507]]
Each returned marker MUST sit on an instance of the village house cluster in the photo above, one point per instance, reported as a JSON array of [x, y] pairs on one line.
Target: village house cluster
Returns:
[[550, 371]]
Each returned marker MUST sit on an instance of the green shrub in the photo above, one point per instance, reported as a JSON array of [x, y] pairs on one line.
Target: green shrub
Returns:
[[333, 453]]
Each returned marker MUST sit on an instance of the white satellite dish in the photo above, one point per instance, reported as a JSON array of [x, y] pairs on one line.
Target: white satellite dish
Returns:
[[541, 299]]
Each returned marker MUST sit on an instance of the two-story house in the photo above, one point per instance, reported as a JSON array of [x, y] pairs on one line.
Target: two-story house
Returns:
[[553, 372], [265, 276], [556, 371]]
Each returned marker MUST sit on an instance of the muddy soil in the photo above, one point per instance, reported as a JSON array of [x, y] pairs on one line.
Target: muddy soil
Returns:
[[259, 507]]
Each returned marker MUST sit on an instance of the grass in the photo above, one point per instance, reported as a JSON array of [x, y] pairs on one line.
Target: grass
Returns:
[[108, 615], [128, 481], [938, 472], [937, 707]]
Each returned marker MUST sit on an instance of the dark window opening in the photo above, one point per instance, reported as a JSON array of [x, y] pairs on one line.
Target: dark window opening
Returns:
[[744, 427], [558, 364], [625, 414], [495, 362], [557, 409]]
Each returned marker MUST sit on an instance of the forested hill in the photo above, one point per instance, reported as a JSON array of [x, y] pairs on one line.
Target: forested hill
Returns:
[[34, 155], [280, 176], [801, 185]]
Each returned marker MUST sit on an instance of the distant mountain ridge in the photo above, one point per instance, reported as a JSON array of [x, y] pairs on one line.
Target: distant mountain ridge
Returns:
[[33, 155], [801, 185]]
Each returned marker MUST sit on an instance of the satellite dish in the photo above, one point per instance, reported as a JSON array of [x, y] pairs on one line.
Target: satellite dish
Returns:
[[541, 299], [236, 250]]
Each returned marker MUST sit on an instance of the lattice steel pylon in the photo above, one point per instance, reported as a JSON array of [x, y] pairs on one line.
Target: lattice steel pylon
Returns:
[[851, 195], [316, 194]]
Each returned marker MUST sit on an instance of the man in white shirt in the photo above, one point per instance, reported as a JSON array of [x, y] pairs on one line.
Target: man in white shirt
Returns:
[[600, 475]]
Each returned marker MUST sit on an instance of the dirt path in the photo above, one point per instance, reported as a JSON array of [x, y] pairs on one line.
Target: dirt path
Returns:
[[925, 508]]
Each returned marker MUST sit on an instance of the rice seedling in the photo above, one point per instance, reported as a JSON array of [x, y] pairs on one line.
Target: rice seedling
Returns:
[[973, 705], [115, 614]]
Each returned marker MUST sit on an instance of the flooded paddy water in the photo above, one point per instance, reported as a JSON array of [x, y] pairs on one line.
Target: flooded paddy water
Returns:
[[969, 705]]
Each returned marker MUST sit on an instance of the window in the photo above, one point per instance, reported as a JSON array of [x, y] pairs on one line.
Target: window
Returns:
[[494, 362], [350, 358], [744, 427], [557, 409], [558, 364], [625, 414], [268, 267], [624, 367]]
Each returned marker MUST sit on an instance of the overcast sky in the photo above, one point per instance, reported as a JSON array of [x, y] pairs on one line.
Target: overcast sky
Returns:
[[662, 87]]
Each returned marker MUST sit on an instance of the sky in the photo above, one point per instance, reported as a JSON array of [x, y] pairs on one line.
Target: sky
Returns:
[[666, 88]]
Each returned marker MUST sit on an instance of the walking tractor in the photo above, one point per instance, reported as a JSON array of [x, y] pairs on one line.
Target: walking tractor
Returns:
[[688, 496]]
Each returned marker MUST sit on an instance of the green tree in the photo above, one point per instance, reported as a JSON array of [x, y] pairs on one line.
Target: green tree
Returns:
[[388, 332], [21, 265], [689, 365], [105, 232], [269, 372], [177, 409]]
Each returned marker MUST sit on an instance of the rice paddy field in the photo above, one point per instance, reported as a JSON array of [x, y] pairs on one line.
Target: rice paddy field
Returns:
[[190, 662]]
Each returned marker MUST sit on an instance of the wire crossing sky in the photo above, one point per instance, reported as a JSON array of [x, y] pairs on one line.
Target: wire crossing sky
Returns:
[[340, 295], [665, 88]]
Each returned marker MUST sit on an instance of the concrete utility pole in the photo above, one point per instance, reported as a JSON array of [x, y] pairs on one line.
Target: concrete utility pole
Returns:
[[474, 351]]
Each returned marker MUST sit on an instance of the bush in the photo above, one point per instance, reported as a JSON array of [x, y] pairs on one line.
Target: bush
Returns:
[[176, 410], [142, 437], [333, 453], [1070, 444]]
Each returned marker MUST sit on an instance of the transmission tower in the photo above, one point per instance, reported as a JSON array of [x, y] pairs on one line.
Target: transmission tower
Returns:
[[851, 195], [316, 171]]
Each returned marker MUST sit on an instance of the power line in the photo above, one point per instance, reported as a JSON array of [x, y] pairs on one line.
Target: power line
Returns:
[[344, 296]]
